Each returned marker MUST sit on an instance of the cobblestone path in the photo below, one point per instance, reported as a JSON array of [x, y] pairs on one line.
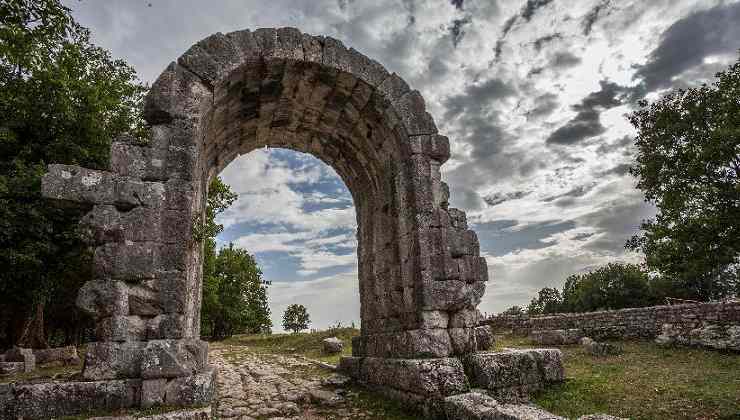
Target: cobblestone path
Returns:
[[270, 386]]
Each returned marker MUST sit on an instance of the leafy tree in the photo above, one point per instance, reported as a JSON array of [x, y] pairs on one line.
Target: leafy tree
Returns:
[[234, 293], [613, 286], [514, 310], [687, 164], [62, 100], [548, 301], [296, 318]]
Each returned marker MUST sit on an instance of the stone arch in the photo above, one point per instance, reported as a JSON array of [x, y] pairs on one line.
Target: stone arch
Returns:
[[421, 276]]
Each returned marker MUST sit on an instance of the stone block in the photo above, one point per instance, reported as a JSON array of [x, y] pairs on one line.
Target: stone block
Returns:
[[513, 375], [484, 338], [130, 261], [176, 94], [193, 390], [556, 337], [212, 58], [49, 400], [477, 406], [173, 358], [166, 326], [451, 295], [153, 392], [430, 378], [77, 184], [332, 345], [463, 340], [113, 360], [412, 110], [103, 298], [12, 368], [66, 355], [121, 328]]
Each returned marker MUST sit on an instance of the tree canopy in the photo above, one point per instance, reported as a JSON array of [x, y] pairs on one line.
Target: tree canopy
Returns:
[[234, 293], [62, 100], [688, 164], [295, 318]]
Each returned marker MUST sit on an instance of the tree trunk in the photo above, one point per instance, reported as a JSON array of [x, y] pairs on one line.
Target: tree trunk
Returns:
[[33, 335]]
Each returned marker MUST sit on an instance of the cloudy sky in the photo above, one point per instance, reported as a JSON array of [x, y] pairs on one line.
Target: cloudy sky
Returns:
[[533, 95]]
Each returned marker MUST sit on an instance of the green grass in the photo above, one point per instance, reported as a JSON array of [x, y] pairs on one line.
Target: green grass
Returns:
[[645, 382], [304, 344]]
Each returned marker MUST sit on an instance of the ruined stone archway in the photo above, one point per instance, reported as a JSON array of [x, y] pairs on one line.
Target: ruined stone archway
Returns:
[[421, 276]]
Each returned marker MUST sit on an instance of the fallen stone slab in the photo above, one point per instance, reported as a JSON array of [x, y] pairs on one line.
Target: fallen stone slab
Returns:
[[711, 336], [556, 337], [599, 349], [511, 376], [425, 378], [333, 345], [11, 368], [478, 406], [59, 399], [194, 414]]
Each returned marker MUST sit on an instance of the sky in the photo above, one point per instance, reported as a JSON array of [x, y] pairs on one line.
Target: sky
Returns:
[[533, 95]]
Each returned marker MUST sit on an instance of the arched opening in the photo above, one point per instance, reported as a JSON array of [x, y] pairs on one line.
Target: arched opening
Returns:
[[296, 216]]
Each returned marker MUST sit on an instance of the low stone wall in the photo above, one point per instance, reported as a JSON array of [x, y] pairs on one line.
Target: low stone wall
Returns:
[[624, 323]]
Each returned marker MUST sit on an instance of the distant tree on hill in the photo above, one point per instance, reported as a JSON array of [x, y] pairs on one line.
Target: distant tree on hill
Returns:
[[688, 165], [296, 318]]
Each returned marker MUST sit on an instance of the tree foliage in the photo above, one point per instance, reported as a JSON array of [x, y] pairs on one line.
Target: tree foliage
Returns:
[[688, 164], [62, 100], [234, 293], [295, 318], [547, 301], [513, 310], [613, 286]]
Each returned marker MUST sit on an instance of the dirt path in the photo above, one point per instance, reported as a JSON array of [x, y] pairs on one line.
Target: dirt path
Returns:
[[268, 386]]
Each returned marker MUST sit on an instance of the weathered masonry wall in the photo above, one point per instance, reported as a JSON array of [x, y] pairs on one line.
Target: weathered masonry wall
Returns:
[[625, 323]]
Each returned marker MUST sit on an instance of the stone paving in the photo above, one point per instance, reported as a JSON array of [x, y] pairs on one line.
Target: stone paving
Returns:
[[269, 386]]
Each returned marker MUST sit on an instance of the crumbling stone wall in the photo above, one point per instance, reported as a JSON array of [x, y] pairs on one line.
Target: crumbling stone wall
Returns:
[[625, 323], [420, 272]]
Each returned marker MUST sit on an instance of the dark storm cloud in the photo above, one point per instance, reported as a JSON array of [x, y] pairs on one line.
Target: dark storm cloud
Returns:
[[587, 122], [578, 191], [457, 29], [545, 105], [564, 59], [593, 15], [504, 31], [540, 42], [618, 220], [531, 7], [498, 238], [498, 198], [620, 170], [688, 41]]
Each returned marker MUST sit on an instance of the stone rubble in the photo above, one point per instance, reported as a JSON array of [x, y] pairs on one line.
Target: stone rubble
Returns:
[[718, 337], [599, 349], [556, 337], [333, 345]]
